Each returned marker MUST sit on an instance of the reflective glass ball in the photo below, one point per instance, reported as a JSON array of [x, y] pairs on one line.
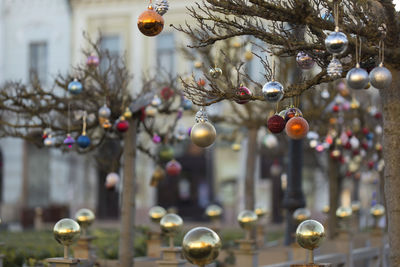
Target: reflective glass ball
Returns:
[[380, 77], [335, 68], [150, 23], [75, 87], [243, 94], [83, 141], [336, 43], [304, 61], [273, 91], [357, 78]]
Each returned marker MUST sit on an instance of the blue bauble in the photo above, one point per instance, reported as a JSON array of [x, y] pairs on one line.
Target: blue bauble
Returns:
[[187, 104], [83, 141], [75, 87]]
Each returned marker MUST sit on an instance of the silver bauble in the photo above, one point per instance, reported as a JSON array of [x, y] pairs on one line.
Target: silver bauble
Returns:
[[304, 61], [336, 43], [357, 78], [49, 141], [161, 7], [335, 68], [215, 73], [104, 112], [380, 77], [273, 91]]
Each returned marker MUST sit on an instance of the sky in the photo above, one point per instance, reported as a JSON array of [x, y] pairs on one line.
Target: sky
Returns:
[[397, 3]]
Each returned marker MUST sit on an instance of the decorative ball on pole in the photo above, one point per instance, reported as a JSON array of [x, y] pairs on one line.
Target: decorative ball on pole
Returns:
[[377, 211], [247, 220], [213, 211], [260, 211], [66, 232], [156, 213], [84, 217], [201, 246], [309, 235], [170, 225], [301, 214]]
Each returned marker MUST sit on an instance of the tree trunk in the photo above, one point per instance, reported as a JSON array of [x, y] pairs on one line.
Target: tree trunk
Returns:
[[252, 152], [333, 175], [128, 197], [391, 155]]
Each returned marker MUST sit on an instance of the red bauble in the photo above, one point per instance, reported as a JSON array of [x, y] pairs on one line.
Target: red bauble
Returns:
[[378, 115], [371, 165], [365, 145], [347, 145], [293, 112], [349, 133], [276, 124], [243, 95], [297, 128], [173, 168], [167, 93], [201, 82], [122, 125], [365, 131], [335, 108]]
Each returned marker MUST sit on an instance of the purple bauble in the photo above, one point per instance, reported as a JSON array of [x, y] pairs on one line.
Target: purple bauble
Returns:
[[69, 141], [243, 95], [156, 139], [304, 61], [92, 61]]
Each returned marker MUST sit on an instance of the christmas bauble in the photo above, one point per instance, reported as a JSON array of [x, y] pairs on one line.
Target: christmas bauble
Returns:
[[104, 112], [328, 17], [75, 87], [293, 112], [198, 64], [150, 111], [243, 94], [201, 246], [236, 147], [66, 231], [122, 125], [276, 124], [304, 61], [336, 43], [106, 124], [273, 91], [309, 234], [325, 94], [203, 134], [156, 139], [127, 113], [166, 93], [49, 141], [201, 82], [69, 141], [380, 77], [161, 7], [166, 153], [357, 78], [297, 128], [187, 104], [270, 141], [215, 73], [92, 61], [158, 174], [150, 23], [83, 141], [173, 168], [335, 68], [248, 55], [112, 179]]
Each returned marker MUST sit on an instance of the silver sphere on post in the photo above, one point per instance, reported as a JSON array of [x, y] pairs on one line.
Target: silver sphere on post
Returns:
[[357, 78], [336, 43], [309, 235], [380, 77], [66, 232], [273, 91]]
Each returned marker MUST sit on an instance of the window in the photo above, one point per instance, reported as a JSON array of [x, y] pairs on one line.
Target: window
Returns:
[[166, 53], [112, 44], [38, 61]]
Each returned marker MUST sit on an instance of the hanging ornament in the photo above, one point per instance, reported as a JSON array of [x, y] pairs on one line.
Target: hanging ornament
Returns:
[[156, 101], [304, 61], [150, 23], [45, 134], [335, 68], [215, 73], [243, 95], [198, 64], [328, 17], [173, 168], [354, 142], [166, 153], [156, 139], [83, 141], [354, 103], [273, 91], [104, 112], [203, 133], [166, 93], [150, 111], [297, 128], [270, 141], [313, 143], [112, 179], [106, 124], [201, 82], [292, 112], [248, 55], [325, 93], [49, 141], [92, 61], [161, 7], [127, 113], [122, 125], [380, 76], [357, 78], [276, 124], [75, 87], [181, 133], [69, 141], [336, 43], [236, 147], [187, 104]]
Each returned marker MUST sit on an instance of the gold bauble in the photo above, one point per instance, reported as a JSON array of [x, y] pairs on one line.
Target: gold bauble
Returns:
[[309, 234], [213, 211], [247, 219], [158, 174], [84, 217], [301, 214], [201, 246], [198, 64], [260, 212], [106, 124], [151, 111], [66, 231], [236, 147], [355, 206], [203, 134], [344, 212], [150, 23], [156, 213], [248, 55], [326, 209], [377, 211], [127, 113], [171, 224]]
